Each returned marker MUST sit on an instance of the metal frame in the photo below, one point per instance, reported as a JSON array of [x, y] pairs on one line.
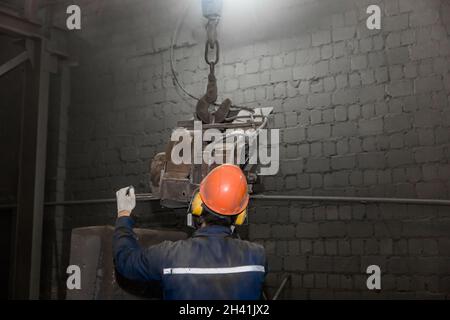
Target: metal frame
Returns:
[[28, 54], [41, 58], [14, 63], [25, 271], [26, 247], [11, 22]]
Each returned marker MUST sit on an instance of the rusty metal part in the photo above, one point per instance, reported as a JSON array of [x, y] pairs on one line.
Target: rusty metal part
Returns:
[[221, 114], [91, 250], [156, 168], [178, 182], [202, 110], [172, 170], [211, 89], [210, 98], [176, 193], [175, 185]]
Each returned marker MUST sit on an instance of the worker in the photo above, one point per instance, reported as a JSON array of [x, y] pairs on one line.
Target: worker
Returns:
[[211, 265]]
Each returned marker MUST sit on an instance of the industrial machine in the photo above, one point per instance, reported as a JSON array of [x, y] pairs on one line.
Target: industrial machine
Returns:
[[175, 183]]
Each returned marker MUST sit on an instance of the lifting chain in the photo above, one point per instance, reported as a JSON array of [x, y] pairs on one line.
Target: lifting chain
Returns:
[[211, 63], [211, 91], [210, 97]]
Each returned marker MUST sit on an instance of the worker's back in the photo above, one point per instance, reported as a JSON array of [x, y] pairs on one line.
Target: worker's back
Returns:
[[210, 265]]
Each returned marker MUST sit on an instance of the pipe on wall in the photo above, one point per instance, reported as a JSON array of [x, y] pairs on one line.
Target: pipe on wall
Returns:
[[272, 197]]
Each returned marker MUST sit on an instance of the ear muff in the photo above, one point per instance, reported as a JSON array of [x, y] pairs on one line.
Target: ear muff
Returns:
[[197, 210], [197, 205], [240, 219]]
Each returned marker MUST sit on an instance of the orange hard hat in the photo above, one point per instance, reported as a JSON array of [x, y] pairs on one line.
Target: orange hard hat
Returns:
[[224, 190]]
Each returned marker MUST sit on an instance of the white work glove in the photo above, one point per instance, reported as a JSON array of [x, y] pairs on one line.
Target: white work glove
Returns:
[[126, 201]]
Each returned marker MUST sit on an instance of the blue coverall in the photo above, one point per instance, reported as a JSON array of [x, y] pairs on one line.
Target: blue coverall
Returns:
[[209, 266]]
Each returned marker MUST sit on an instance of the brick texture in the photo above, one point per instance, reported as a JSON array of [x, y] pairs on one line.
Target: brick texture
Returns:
[[362, 112]]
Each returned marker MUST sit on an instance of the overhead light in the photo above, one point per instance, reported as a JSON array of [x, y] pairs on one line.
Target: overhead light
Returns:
[[212, 9]]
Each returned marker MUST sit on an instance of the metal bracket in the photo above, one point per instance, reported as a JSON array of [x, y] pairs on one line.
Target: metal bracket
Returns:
[[19, 59]]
